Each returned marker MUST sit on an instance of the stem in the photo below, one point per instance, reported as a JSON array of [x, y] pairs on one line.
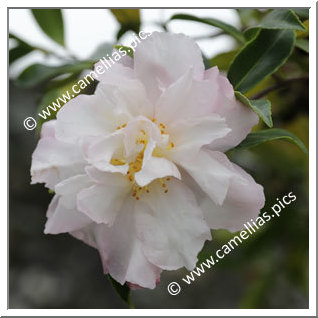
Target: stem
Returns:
[[207, 37], [278, 86]]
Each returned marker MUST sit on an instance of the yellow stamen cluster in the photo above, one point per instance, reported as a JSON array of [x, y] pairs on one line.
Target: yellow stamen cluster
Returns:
[[136, 165]]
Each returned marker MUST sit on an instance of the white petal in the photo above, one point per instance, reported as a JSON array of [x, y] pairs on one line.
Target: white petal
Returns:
[[114, 74], [155, 168], [63, 215], [85, 115], [243, 202], [190, 135], [129, 97], [162, 58], [99, 151], [171, 226], [186, 98], [54, 160], [101, 202], [212, 173], [120, 249], [239, 117]]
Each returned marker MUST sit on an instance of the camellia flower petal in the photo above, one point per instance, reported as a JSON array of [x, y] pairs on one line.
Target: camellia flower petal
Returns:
[[138, 167]]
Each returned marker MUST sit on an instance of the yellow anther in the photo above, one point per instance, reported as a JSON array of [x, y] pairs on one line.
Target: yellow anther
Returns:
[[170, 146], [168, 178], [117, 162], [166, 191], [147, 189], [162, 125], [123, 126], [118, 127], [153, 120], [137, 198], [143, 132]]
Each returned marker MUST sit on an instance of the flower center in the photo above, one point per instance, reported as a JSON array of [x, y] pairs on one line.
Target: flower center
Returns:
[[136, 165]]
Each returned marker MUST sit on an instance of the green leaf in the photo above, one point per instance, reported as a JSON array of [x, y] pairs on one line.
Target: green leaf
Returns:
[[127, 49], [223, 60], [129, 19], [38, 73], [123, 291], [227, 28], [302, 44], [51, 23], [260, 57], [261, 107], [20, 50], [256, 138], [302, 13], [278, 19]]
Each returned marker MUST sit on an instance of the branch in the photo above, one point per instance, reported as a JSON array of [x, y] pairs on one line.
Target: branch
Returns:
[[278, 86]]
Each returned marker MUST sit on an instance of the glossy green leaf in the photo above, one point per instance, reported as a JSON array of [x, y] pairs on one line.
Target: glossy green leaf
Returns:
[[256, 138], [37, 73], [262, 107], [278, 19], [302, 44], [260, 57], [122, 290], [51, 23], [227, 28], [129, 19], [127, 49]]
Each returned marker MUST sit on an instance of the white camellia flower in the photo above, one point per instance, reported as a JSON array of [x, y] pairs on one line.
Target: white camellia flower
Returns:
[[138, 168]]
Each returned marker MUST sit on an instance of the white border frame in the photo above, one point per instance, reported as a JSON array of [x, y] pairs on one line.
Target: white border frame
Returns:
[[162, 312]]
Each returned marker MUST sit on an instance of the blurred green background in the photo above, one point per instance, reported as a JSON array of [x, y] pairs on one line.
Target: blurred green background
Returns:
[[269, 270]]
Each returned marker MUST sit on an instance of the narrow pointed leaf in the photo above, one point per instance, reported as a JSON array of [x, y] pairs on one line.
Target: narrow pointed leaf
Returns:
[[129, 19], [262, 108], [51, 23], [38, 73], [227, 28], [278, 19], [260, 57], [258, 137]]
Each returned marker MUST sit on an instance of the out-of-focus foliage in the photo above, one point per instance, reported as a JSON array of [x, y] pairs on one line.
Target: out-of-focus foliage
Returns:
[[51, 22], [268, 63], [129, 19]]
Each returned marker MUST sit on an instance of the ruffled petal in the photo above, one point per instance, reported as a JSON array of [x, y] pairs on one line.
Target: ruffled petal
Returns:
[[211, 171], [171, 226], [102, 201], [156, 168], [63, 216], [99, 151], [190, 135], [186, 98], [162, 58], [54, 160], [121, 249], [85, 115], [239, 118], [243, 202]]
